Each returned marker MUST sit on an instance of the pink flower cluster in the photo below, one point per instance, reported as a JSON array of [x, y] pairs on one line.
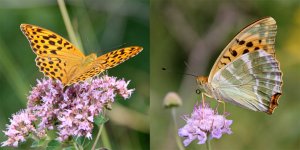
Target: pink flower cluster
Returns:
[[20, 127], [204, 123], [70, 110]]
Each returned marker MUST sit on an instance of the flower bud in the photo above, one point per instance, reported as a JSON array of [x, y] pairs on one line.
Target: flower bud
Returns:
[[172, 99]]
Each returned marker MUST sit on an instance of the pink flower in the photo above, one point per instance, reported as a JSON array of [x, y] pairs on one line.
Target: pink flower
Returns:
[[204, 123], [70, 111], [20, 126]]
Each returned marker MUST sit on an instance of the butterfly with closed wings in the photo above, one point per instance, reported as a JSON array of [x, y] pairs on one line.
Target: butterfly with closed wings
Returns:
[[247, 73]]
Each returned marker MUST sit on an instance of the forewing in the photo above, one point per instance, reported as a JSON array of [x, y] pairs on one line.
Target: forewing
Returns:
[[258, 35], [105, 62], [116, 57], [253, 81], [47, 43], [52, 48], [52, 67]]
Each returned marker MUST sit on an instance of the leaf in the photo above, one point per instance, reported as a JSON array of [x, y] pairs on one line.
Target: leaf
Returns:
[[79, 140], [53, 145], [70, 148], [100, 119], [39, 143], [102, 148]]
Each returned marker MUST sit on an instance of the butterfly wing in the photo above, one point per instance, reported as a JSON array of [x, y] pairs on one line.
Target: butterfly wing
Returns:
[[258, 35], [56, 57], [52, 67], [105, 62], [116, 57], [253, 81]]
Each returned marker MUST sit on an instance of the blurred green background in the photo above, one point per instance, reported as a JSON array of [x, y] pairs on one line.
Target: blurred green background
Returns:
[[196, 31], [102, 26]]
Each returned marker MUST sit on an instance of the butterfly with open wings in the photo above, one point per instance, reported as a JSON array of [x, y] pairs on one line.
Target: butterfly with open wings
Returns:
[[58, 59]]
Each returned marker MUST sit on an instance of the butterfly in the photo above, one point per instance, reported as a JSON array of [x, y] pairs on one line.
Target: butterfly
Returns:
[[58, 59], [247, 73]]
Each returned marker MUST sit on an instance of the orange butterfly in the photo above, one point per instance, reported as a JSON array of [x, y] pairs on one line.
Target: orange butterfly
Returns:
[[58, 59]]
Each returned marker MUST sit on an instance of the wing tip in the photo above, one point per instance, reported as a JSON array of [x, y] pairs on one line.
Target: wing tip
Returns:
[[136, 49], [139, 48], [23, 25], [273, 103]]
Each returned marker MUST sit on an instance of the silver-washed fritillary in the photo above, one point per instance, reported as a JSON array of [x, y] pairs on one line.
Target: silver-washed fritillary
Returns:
[[58, 59], [247, 73]]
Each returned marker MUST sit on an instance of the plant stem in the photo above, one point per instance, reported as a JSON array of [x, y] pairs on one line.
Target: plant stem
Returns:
[[105, 139], [98, 136], [178, 141], [13, 74], [208, 144], [75, 145], [67, 21], [80, 146]]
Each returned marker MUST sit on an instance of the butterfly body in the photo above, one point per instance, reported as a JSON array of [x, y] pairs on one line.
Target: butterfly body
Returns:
[[247, 73], [58, 59], [88, 59]]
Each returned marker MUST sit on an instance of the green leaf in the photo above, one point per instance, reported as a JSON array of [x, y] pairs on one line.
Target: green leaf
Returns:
[[39, 143], [52, 134], [102, 148], [70, 148], [79, 140], [53, 145], [100, 119]]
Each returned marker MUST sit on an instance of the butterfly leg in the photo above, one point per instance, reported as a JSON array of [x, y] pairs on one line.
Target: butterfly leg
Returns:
[[221, 102], [203, 98]]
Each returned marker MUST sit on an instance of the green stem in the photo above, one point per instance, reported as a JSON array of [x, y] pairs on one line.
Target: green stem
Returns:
[[75, 145], [208, 147], [72, 36], [13, 74], [98, 136], [178, 141], [34, 137], [105, 139], [67, 21], [80, 147]]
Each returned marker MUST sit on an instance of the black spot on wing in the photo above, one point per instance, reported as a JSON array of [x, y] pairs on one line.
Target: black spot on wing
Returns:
[[245, 51], [241, 42], [249, 44], [53, 51], [51, 42], [233, 52], [227, 57]]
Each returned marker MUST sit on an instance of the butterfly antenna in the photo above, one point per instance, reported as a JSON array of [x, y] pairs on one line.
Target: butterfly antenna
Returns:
[[165, 69], [189, 68], [121, 45], [190, 74], [118, 46]]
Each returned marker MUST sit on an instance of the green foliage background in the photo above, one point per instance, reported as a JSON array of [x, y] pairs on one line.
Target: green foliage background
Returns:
[[196, 31], [102, 26]]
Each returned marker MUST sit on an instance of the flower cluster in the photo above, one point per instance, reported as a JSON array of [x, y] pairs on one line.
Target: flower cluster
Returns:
[[69, 110], [21, 125], [204, 124]]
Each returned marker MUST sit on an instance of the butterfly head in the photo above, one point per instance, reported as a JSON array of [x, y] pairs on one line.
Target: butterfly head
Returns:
[[202, 82]]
